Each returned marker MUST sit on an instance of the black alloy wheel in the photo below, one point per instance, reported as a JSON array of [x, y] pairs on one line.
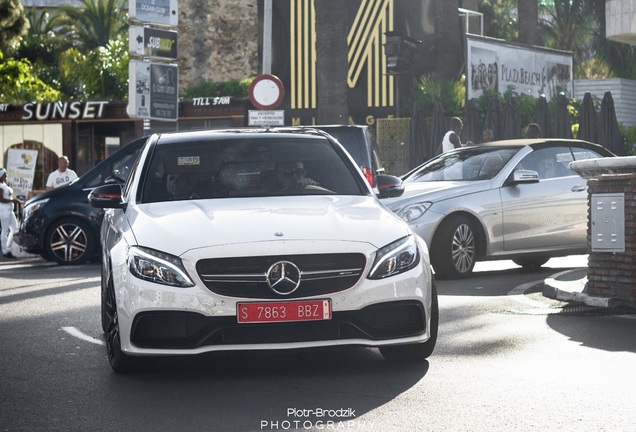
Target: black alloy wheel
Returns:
[[120, 362], [69, 242]]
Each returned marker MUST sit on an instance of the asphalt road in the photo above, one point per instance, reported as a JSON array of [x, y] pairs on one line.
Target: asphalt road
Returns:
[[507, 359]]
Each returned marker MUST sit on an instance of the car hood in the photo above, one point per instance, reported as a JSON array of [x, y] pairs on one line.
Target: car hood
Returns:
[[435, 191], [177, 227]]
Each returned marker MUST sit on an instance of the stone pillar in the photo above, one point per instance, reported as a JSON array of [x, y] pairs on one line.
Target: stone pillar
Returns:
[[611, 273]]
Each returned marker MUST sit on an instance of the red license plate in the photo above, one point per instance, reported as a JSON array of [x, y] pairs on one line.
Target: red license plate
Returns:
[[308, 310]]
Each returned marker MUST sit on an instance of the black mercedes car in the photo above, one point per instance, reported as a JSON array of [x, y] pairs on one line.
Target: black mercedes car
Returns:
[[60, 225]]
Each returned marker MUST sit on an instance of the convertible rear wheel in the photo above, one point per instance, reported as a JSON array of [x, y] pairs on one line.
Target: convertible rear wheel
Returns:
[[119, 361], [421, 351], [455, 246], [69, 241]]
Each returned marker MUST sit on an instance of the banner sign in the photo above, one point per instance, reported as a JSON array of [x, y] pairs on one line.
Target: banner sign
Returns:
[[500, 66], [21, 170]]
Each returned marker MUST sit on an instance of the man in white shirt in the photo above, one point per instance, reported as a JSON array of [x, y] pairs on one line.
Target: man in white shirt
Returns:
[[61, 176], [451, 140], [7, 217]]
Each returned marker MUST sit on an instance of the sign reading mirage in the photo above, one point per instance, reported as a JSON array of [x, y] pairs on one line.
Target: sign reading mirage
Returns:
[[501, 66]]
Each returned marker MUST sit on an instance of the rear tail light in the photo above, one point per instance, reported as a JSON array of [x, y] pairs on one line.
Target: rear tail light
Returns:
[[368, 174]]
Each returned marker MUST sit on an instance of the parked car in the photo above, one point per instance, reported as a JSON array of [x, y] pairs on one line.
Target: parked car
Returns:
[[257, 239], [514, 199], [60, 224], [361, 144]]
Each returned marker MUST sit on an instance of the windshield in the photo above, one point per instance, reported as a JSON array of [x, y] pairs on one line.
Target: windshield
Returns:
[[468, 164], [248, 167]]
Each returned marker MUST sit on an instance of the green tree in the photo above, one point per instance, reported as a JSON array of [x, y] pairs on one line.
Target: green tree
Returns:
[[500, 18], [42, 47], [100, 74], [94, 24], [19, 86], [568, 25], [13, 23]]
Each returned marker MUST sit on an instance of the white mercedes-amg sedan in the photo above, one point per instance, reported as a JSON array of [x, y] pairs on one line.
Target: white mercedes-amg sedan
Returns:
[[257, 239]]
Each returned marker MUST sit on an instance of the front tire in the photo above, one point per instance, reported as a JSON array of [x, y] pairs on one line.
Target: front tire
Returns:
[[421, 351], [456, 241], [119, 361], [69, 241]]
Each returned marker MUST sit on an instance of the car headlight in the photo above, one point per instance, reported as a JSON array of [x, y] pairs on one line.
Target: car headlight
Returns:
[[158, 267], [414, 211], [395, 258], [30, 209]]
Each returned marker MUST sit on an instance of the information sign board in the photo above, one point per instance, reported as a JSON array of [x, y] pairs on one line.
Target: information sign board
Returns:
[[151, 42], [163, 12], [153, 91], [266, 118]]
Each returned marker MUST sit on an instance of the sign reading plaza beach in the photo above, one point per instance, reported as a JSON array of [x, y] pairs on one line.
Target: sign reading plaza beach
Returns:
[[500, 66]]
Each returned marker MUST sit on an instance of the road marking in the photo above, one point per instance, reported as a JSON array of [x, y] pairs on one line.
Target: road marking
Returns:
[[78, 334]]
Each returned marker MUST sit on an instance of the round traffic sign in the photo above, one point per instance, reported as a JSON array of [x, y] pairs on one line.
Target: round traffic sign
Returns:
[[266, 92]]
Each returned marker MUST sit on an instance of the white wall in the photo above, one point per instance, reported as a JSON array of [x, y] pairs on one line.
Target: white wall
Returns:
[[623, 92]]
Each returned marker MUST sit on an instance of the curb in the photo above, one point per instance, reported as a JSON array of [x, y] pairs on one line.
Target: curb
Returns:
[[571, 285]]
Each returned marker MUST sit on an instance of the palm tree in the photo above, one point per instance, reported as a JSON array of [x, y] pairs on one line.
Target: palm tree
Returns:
[[93, 24], [332, 62], [528, 19], [500, 19], [448, 40], [13, 23], [42, 45], [569, 25]]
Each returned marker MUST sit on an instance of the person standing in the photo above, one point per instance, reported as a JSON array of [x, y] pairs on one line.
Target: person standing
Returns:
[[61, 176], [7, 217], [533, 131], [487, 136], [451, 139]]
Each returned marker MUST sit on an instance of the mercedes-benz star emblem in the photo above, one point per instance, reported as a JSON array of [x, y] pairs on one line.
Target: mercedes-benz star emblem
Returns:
[[283, 277]]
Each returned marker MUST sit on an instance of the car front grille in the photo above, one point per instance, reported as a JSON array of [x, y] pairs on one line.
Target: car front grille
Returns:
[[247, 277], [189, 330]]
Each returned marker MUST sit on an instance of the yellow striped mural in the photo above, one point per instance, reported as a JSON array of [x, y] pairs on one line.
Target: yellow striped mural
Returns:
[[365, 42]]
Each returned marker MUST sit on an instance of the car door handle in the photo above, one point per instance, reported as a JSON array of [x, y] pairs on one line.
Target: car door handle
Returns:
[[578, 188]]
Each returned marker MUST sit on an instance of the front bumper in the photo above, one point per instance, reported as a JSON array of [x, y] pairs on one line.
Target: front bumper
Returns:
[[190, 330]]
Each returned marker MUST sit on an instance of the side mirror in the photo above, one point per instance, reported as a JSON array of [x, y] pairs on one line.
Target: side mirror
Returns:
[[525, 176], [106, 196], [389, 186]]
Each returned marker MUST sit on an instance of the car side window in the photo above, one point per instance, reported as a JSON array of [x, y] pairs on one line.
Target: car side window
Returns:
[[583, 153], [549, 162], [118, 170]]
